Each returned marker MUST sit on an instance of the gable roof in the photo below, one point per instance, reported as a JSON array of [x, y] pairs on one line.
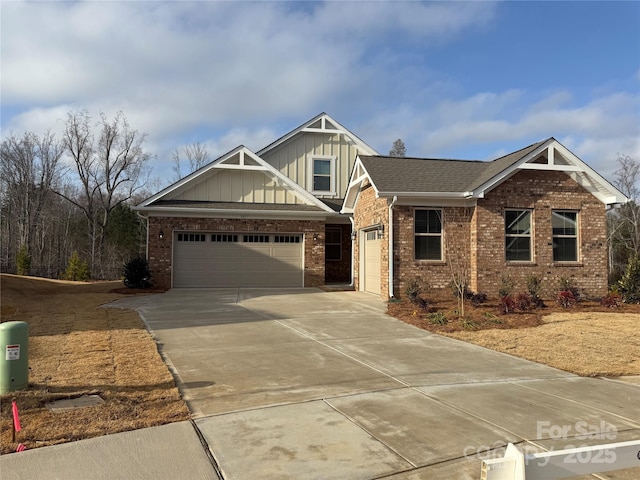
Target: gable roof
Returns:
[[321, 123], [468, 179], [238, 159]]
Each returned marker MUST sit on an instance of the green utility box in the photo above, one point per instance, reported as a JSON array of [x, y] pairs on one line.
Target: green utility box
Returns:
[[14, 356]]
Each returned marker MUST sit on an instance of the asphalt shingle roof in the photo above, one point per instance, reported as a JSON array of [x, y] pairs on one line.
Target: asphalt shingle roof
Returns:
[[422, 175]]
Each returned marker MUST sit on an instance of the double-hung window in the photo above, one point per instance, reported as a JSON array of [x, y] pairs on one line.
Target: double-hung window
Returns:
[[517, 233], [565, 236], [322, 175], [428, 234]]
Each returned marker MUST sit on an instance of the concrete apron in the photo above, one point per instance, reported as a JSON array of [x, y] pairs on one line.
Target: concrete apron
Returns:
[[304, 384]]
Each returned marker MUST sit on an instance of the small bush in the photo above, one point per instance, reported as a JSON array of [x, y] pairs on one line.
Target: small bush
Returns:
[[566, 299], [491, 318], [136, 273], [438, 318], [534, 286], [524, 301], [507, 304], [422, 303], [506, 286], [469, 324], [629, 284], [476, 299], [77, 269], [611, 300], [413, 290], [569, 285], [23, 261]]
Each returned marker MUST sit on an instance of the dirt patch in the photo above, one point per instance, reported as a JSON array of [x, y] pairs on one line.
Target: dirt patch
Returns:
[[77, 347], [587, 339]]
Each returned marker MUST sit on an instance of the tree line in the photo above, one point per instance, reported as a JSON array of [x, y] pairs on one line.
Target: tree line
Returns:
[[65, 202]]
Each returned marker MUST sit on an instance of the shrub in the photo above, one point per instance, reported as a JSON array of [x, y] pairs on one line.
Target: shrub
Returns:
[[611, 300], [469, 324], [507, 304], [438, 318], [422, 303], [414, 288], [77, 269], [523, 301], [566, 299], [476, 299], [23, 261], [569, 285], [506, 286], [534, 285], [136, 273], [629, 284]]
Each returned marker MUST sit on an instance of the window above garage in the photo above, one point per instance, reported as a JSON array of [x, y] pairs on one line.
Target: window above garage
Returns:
[[322, 175]]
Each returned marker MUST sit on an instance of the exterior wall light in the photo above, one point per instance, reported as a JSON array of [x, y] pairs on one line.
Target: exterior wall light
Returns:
[[161, 235], [315, 237]]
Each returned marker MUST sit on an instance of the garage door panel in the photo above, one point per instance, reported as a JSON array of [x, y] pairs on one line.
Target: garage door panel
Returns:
[[247, 260]]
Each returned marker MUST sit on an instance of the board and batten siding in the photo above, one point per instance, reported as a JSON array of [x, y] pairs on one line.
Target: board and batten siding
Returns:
[[238, 186], [292, 158]]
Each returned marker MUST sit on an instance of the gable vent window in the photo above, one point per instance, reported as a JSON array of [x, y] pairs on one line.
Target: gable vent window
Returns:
[[256, 239], [322, 174], [287, 239], [191, 237], [226, 238], [517, 226], [428, 235], [565, 236]]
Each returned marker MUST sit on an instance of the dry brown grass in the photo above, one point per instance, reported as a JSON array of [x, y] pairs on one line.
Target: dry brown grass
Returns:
[[77, 347], [587, 339]]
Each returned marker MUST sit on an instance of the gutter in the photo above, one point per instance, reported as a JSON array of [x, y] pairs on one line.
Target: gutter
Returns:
[[393, 202], [354, 237]]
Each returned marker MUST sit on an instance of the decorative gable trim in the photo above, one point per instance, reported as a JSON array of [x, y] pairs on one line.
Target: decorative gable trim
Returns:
[[551, 155], [241, 158], [323, 124]]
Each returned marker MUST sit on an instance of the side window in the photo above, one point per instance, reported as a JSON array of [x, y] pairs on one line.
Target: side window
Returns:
[[333, 244], [517, 233], [428, 234], [565, 236]]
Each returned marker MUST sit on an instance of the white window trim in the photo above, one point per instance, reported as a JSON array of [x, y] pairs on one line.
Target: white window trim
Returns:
[[576, 237], [530, 235], [417, 234], [332, 174]]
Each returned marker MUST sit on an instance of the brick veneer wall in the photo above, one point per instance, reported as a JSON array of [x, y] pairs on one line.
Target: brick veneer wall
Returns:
[[160, 250], [474, 239], [456, 253], [542, 191], [371, 211]]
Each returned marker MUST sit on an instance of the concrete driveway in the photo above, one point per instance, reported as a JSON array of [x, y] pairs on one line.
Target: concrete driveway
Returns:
[[305, 384]]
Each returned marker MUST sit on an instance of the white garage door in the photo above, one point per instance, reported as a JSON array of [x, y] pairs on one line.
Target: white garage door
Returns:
[[370, 262], [237, 260]]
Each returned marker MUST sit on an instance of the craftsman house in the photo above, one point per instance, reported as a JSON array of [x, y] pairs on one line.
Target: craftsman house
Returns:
[[319, 206]]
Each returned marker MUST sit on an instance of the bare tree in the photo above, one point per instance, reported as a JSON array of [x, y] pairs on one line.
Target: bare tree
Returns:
[[195, 154], [30, 168], [457, 223], [624, 222], [398, 149], [110, 170]]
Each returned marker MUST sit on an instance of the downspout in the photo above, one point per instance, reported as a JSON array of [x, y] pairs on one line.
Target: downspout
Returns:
[[146, 246], [353, 250], [393, 202]]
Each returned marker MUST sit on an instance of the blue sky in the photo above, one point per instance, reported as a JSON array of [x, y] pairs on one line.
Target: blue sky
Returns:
[[471, 80]]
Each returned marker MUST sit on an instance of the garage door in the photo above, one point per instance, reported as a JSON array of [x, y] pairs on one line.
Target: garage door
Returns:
[[370, 262], [237, 260]]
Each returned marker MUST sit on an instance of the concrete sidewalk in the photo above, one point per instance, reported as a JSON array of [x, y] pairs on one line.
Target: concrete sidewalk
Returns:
[[304, 384]]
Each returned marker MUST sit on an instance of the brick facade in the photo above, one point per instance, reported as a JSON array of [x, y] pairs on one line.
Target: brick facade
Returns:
[[542, 192], [474, 238], [372, 211], [160, 250]]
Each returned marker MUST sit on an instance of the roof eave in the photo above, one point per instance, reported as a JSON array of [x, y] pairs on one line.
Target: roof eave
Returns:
[[231, 213]]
